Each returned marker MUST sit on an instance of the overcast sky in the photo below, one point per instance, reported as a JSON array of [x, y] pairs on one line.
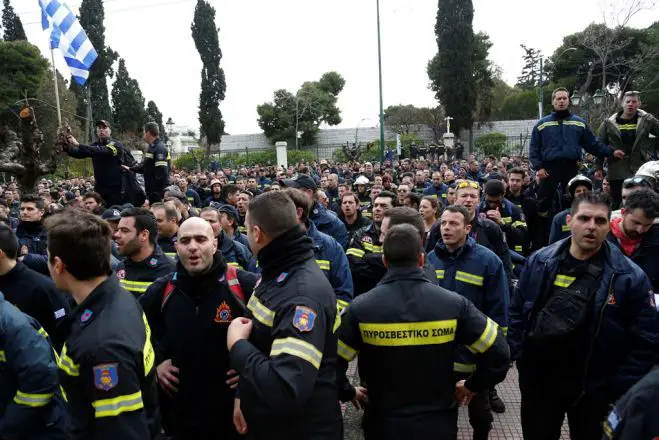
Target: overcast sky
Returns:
[[272, 44]]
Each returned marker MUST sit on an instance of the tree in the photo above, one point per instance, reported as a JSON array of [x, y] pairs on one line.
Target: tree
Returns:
[[403, 119], [129, 114], [434, 118], [484, 71], [213, 83], [313, 104], [153, 114], [648, 77], [530, 77], [23, 71], [451, 71], [91, 16], [12, 24]]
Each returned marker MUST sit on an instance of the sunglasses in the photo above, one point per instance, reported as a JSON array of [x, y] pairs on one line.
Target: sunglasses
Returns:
[[469, 184], [633, 182]]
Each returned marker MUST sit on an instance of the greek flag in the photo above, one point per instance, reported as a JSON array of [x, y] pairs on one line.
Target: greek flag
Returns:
[[69, 37]]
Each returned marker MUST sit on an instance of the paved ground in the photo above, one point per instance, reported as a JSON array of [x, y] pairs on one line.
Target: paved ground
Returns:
[[507, 426]]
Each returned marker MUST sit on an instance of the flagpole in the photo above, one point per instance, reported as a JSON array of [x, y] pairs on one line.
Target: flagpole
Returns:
[[59, 112]]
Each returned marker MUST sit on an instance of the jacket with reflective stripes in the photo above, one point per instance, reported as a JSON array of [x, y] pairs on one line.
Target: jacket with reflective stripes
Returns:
[[405, 332], [136, 277], [29, 393], [438, 193], [554, 139], [333, 262], [622, 338], [168, 246], [476, 273], [107, 157], [514, 226], [559, 228], [154, 167], [235, 253], [288, 366], [107, 367], [365, 258], [328, 223]]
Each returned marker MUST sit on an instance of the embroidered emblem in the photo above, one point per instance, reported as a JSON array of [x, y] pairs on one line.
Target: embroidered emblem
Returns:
[[304, 319], [282, 277], [367, 239], [121, 274], [223, 313], [153, 262], [612, 299], [86, 315], [106, 376]]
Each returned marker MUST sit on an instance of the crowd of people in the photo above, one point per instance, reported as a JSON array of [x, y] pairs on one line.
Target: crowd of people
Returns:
[[152, 302]]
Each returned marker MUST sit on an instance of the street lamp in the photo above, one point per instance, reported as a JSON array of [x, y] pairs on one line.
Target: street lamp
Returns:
[[598, 97], [170, 126], [576, 98]]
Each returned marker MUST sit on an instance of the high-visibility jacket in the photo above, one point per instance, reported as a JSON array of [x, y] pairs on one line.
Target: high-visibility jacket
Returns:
[[514, 226], [136, 277]]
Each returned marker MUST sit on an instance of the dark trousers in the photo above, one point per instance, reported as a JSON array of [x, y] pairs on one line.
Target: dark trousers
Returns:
[[560, 172], [112, 198], [480, 412], [429, 426], [542, 417], [616, 193]]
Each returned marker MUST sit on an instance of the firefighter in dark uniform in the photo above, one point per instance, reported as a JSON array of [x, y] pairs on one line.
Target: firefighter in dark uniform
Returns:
[[475, 272], [31, 407], [634, 416], [155, 165], [202, 297], [285, 351], [107, 158], [405, 332], [143, 261], [107, 365]]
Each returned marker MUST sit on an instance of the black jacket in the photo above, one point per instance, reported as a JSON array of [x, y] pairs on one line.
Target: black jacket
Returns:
[[154, 167], [34, 236], [634, 416], [107, 368], [35, 295], [136, 277], [107, 157], [288, 366]]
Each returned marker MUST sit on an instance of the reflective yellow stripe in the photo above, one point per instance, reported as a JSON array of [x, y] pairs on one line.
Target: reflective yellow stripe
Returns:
[[161, 163], [518, 248], [148, 353], [171, 254], [112, 148], [3, 357], [67, 365], [234, 264], [628, 127], [356, 252], [242, 229], [298, 348], [563, 280], [440, 274], [43, 332], [135, 286], [507, 220], [341, 305], [148, 155], [486, 339], [409, 333], [118, 405], [367, 214], [469, 278], [463, 368], [262, 314], [345, 351], [547, 124], [323, 264], [519, 224], [504, 330], [337, 319], [565, 228], [33, 400], [575, 123], [371, 247]]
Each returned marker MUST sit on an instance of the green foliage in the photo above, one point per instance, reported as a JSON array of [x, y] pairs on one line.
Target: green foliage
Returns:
[[483, 77], [91, 18], [523, 104], [128, 103], [313, 104], [402, 119], [189, 161], [154, 114], [648, 77], [451, 71], [530, 76], [491, 144], [12, 24], [213, 82], [22, 71]]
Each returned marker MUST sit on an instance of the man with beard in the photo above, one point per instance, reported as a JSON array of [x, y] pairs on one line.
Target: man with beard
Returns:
[[201, 297], [351, 215], [32, 236], [136, 236]]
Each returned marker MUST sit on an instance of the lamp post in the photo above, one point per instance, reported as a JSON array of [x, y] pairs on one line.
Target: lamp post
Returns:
[[380, 76], [448, 138], [170, 131], [541, 96]]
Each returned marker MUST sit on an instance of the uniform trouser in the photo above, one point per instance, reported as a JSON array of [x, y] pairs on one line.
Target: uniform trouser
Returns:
[[112, 197], [616, 193], [427, 426], [480, 413], [560, 172], [542, 416]]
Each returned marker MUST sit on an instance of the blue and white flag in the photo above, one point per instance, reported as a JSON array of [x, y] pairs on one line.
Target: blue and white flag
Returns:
[[69, 37]]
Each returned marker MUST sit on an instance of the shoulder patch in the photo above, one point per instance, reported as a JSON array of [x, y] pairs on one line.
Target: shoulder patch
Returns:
[[153, 262], [304, 319], [86, 315], [282, 277], [106, 376], [121, 274], [223, 313]]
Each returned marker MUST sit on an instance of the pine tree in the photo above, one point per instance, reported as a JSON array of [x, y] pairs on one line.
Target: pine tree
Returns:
[[129, 114], [451, 71], [530, 76], [154, 114], [213, 84], [92, 15], [12, 24]]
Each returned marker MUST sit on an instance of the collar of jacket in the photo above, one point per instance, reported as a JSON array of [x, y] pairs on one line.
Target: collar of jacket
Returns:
[[157, 253], [505, 209], [225, 242], [442, 250], [649, 240], [96, 299], [613, 258], [17, 271], [403, 273], [641, 115], [314, 234]]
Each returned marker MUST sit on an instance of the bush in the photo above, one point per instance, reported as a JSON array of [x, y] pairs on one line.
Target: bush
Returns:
[[188, 161], [491, 144]]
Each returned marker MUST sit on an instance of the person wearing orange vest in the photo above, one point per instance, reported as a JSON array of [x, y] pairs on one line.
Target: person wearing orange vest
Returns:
[[189, 313]]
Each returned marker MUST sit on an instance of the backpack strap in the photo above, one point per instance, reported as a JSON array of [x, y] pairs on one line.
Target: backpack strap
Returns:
[[234, 284], [169, 289]]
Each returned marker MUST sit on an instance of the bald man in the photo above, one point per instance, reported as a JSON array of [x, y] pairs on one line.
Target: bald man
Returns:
[[189, 313]]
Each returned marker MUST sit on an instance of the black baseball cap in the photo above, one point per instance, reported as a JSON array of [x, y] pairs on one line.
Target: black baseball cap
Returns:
[[111, 215], [301, 181], [230, 211], [102, 122]]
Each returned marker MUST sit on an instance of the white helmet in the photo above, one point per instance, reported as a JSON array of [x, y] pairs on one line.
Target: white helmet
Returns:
[[361, 180], [649, 169], [579, 180]]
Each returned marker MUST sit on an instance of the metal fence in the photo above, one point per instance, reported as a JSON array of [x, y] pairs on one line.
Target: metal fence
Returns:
[[510, 146]]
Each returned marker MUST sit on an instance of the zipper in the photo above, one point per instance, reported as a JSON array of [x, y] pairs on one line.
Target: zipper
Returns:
[[590, 348]]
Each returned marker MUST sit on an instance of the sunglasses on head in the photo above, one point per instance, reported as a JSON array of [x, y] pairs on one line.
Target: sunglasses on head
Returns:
[[471, 184], [633, 182]]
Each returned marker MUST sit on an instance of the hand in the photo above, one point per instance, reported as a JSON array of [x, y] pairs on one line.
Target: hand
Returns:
[[360, 397], [599, 175], [542, 173], [619, 154], [126, 168], [240, 328], [462, 393], [167, 376], [238, 418], [232, 381], [495, 216], [72, 141]]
